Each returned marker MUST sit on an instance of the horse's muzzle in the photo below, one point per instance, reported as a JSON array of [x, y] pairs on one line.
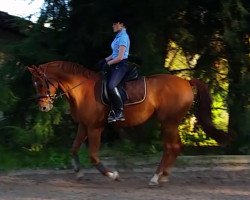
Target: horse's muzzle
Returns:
[[46, 108]]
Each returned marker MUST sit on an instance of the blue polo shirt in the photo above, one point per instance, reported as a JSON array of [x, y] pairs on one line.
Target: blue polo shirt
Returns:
[[121, 39]]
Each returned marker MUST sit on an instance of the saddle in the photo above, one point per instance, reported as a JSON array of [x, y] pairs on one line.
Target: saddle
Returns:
[[132, 89]]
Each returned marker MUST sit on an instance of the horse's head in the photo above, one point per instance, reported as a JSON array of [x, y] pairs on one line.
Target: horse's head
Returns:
[[45, 87]]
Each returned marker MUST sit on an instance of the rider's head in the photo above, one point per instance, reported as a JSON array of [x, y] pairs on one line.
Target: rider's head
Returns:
[[119, 23]]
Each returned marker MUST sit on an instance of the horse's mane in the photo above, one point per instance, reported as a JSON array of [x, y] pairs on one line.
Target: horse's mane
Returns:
[[71, 68]]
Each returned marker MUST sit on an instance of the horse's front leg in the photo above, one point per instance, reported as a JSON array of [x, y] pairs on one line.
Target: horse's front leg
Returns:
[[79, 139], [94, 138]]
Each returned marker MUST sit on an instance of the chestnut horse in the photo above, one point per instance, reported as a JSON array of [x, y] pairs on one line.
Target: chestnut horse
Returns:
[[168, 99]]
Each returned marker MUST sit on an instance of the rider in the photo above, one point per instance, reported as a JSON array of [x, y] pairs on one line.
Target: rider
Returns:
[[117, 63]]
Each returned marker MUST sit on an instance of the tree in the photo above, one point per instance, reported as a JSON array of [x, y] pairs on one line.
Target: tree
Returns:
[[236, 18]]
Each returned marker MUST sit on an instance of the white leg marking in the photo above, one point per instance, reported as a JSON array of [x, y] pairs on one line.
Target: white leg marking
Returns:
[[79, 174], [154, 180], [113, 175]]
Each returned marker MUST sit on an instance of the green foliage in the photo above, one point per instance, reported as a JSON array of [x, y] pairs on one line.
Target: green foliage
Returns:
[[8, 98], [127, 147], [22, 125], [193, 135], [49, 158], [219, 112]]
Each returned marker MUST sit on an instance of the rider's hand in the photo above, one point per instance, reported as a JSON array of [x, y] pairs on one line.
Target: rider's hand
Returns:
[[102, 64]]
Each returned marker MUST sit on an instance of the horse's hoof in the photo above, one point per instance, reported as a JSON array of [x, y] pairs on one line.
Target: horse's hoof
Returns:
[[153, 183], [76, 165], [114, 175], [79, 175], [76, 170]]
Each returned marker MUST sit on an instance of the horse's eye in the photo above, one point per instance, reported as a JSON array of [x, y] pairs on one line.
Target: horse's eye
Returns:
[[37, 84]]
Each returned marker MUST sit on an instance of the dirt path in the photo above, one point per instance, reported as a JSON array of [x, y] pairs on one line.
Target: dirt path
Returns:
[[224, 182]]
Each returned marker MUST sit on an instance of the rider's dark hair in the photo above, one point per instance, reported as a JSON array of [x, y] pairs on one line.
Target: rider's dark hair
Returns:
[[120, 19]]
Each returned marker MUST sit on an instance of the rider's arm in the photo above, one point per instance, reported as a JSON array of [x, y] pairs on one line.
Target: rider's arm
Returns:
[[119, 58], [109, 58]]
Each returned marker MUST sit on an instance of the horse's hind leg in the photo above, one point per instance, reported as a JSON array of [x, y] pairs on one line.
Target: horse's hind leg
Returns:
[[172, 148], [79, 139]]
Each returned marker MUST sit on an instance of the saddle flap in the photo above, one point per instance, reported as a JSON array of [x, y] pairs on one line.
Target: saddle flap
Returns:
[[134, 91]]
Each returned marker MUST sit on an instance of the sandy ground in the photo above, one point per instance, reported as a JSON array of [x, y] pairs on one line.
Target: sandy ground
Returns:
[[222, 182]]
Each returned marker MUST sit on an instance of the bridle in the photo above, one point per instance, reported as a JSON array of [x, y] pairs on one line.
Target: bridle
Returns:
[[45, 79], [52, 97]]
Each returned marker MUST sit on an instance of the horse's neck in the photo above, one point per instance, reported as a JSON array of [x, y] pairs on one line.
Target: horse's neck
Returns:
[[75, 92], [69, 80], [73, 84]]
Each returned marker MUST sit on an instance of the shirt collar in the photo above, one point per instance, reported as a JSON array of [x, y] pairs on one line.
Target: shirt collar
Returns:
[[121, 32]]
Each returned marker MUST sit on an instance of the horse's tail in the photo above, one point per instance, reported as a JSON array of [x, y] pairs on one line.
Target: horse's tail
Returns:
[[203, 112]]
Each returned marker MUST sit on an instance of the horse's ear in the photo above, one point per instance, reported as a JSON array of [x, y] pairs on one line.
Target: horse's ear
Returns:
[[32, 69]]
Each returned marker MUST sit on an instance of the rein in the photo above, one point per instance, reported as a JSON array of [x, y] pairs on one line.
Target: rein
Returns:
[[60, 95], [52, 98]]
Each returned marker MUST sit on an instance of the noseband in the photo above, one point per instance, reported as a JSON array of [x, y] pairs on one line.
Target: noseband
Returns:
[[48, 93]]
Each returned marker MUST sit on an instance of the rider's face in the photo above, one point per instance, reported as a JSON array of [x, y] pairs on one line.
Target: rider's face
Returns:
[[117, 26]]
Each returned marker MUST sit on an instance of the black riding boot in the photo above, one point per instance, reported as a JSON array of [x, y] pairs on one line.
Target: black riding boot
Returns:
[[116, 113]]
